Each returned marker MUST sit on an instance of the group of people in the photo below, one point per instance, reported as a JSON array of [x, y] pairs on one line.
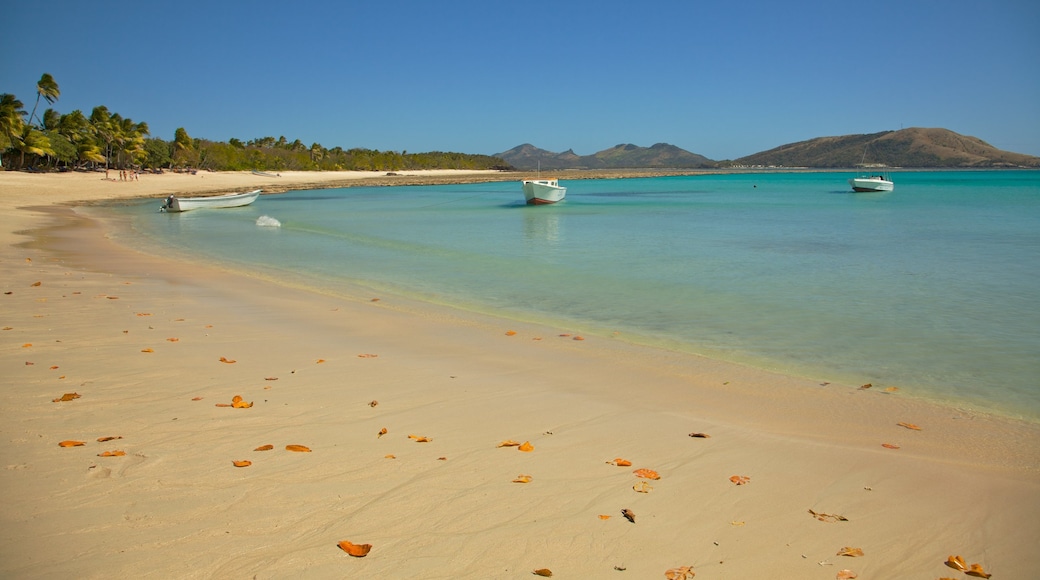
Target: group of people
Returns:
[[125, 174]]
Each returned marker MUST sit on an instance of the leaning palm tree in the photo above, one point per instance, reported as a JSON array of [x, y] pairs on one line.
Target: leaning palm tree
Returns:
[[47, 88], [11, 121]]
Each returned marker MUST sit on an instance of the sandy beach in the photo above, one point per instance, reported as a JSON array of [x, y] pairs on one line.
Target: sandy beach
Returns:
[[455, 445]]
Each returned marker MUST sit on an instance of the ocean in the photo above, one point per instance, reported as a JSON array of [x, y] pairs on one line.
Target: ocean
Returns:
[[933, 288]]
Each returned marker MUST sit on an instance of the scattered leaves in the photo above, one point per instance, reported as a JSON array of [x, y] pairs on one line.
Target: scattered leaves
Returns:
[[850, 552], [621, 462], [242, 463], [113, 453], [543, 572], [147, 350], [66, 397], [740, 479], [680, 573], [957, 563], [647, 473], [890, 446], [109, 438], [846, 575], [226, 360], [264, 448], [522, 479], [389, 456], [643, 487], [510, 333], [420, 438], [977, 571], [604, 517], [700, 435], [270, 378], [71, 443], [526, 447], [356, 550], [828, 517], [910, 426], [196, 398], [509, 443], [238, 403], [298, 448], [173, 339]]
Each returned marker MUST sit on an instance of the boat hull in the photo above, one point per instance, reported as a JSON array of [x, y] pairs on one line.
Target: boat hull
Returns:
[[868, 184], [543, 191], [181, 204]]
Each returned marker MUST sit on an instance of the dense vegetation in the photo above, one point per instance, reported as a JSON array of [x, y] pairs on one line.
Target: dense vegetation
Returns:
[[104, 139]]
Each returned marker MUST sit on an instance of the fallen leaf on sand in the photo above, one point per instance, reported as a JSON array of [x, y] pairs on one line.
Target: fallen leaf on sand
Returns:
[[442, 459], [66, 397], [740, 479], [238, 403], [866, 386], [196, 398], [647, 473], [977, 571], [172, 339], [367, 355], [850, 552], [34, 284], [828, 517], [144, 313], [578, 338], [737, 523], [526, 447], [109, 438], [373, 403], [27, 345], [225, 359], [147, 350], [543, 572], [319, 361], [910, 426], [114, 453], [845, 575], [522, 479], [356, 550], [54, 367], [957, 563], [381, 432], [8, 328], [298, 448], [264, 448], [242, 463], [891, 389], [112, 297], [604, 517], [270, 378], [29, 364], [890, 446], [510, 333], [643, 487], [509, 443], [680, 573], [629, 515], [700, 435], [71, 443], [389, 456], [374, 300], [621, 462], [420, 438]]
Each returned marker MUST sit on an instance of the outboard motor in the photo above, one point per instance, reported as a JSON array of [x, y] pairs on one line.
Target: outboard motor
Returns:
[[167, 204]]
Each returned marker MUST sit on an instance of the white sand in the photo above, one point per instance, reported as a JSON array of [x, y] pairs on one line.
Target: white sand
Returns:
[[174, 506]]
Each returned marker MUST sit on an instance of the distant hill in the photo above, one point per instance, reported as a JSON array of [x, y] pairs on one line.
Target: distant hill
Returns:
[[914, 147], [625, 156]]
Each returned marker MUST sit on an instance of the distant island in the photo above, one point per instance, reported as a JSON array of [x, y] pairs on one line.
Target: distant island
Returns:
[[910, 148]]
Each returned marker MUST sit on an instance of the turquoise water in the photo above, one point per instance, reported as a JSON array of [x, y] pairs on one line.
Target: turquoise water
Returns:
[[934, 288]]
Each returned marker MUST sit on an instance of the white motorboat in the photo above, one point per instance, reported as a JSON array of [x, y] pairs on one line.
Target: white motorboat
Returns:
[[543, 191], [871, 183], [175, 204]]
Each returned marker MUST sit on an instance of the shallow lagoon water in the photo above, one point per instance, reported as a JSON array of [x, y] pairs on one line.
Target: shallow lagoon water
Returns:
[[934, 288]]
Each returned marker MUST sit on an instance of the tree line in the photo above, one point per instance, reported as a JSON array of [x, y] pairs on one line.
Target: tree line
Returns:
[[74, 141]]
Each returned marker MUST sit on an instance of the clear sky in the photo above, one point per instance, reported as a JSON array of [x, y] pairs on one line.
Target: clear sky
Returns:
[[722, 79]]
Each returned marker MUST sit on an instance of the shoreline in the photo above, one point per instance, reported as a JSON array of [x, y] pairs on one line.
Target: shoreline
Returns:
[[464, 382]]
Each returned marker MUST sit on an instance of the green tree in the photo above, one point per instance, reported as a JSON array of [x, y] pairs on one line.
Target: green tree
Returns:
[[11, 121], [47, 88], [103, 129], [158, 153], [183, 148]]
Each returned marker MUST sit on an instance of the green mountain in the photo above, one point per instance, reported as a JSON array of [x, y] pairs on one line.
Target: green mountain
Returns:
[[624, 156], [914, 147]]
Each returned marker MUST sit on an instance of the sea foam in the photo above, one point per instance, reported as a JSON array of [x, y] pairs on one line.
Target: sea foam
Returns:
[[268, 222]]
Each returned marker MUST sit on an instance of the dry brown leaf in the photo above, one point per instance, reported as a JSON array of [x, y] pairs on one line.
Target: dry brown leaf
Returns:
[[543, 572], [374, 300], [891, 389], [367, 355], [226, 360], [621, 462], [114, 453], [66, 397], [319, 361], [850, 552], [420, 438], [629, 515], [381, 432], [356, 550], [604, 517], [700, 435], [866, 386], [890, 446], [740, 479], [222, 405], [144, 313], [647, 473], [147, 350], [737, 523], [27, 345], [373, 403], [910, 426], [298, 448], [238, 403], [196, 398], [526, 447], [242, 463], [264, 448], [509, 443], [270, 378], [828, 517], [510, 333], [54, 367], [522, 479], [71, 443], [442, 459], [172, 339], [680, 573], [643, 487], [957, 563], [977, 571], [34, 284], [389, 456], [109, 438], [845, 575], [579, 338], [112, 297]]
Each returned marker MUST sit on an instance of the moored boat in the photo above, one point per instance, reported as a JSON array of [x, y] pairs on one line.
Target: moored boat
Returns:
[[543, 191], [177, 204], [871, 183]]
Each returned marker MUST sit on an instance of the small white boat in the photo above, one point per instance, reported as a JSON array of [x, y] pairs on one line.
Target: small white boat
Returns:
[[174, 203], [871, 183], [543, 191]]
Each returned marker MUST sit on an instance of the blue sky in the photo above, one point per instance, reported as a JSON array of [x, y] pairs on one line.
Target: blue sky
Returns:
[[722, 79]]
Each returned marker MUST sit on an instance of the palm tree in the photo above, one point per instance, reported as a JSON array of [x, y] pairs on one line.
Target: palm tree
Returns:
[[47, 88], [101, 121], [11, 121]]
